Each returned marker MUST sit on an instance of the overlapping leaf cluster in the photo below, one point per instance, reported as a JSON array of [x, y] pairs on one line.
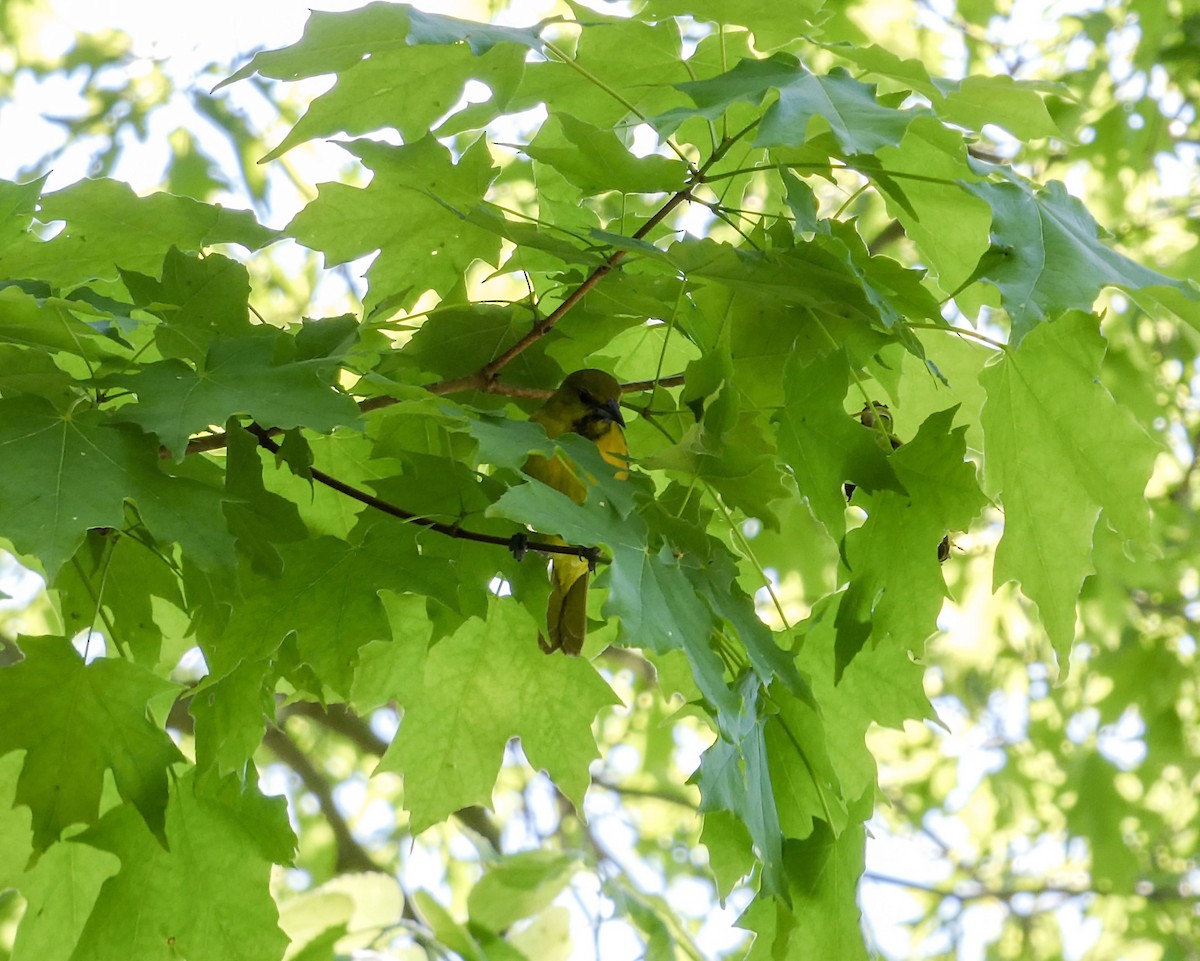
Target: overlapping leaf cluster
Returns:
[[677, 213]]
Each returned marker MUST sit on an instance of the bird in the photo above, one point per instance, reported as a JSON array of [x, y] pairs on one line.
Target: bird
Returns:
[[588, 404]]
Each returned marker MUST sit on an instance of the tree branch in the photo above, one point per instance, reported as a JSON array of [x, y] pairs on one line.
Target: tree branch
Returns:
[[351, 856], [543, 327], [892, 232], [485, 380], [341, 720], [980, 892], [219, 439], [518, 543], [650, 794]]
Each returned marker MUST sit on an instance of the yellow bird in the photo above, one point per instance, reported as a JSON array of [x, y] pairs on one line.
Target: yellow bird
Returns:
[[587, 404]]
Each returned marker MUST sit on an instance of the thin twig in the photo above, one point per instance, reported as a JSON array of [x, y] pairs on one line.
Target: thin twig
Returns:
[[976, 891], [652, 794], [218, 440], [539, 330], [517, 543]]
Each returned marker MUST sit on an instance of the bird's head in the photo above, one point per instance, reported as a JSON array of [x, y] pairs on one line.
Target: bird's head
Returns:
[[591, 400]]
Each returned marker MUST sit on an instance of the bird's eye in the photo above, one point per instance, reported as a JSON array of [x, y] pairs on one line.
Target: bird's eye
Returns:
[[586, 397]]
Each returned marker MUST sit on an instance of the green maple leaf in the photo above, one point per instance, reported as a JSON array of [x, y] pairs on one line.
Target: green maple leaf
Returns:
[[801, 201], [198, 300], [26, 372], [824, 446], [1017, 106], [75, 722], [938, 212], [730, 849], [1058, 449], [206, 895], [820, 275], [464, 338], [231, 714], [328, 597], [860, 123], [377, 92], [595, 160], [803, 777], [894, 293], [823, 873], [748, 82], [480, 37], [714, 579], [258, 375], [412, 212], [74, 471], [47, 324], [390, 670], [334, 41], [258, 518], [140, 602], [659, 608], [16, 823], [896, 586], [60, 891], [150, 226], [637, 59], [735, 776], [519, 887], [738, 462], [818, 915], [17, 205], [911, 73], [882, 685], [773, 23], [1047, 257], [484, 684]]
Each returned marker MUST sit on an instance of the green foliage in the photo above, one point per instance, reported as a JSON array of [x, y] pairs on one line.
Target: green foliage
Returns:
[[868, 351]]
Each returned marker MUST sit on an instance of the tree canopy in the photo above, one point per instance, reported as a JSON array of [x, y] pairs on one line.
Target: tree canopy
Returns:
[[891, 648]]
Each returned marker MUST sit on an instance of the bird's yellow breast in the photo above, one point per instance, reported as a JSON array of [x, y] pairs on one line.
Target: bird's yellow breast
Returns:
[[560, 475]]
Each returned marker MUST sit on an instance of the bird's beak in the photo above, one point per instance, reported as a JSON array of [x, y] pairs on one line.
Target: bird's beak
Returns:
[[612, 411]]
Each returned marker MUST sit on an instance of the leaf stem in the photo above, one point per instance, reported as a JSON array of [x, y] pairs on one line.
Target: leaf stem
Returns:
[[849, 200], [617, 96], [962, 332], [744, 545], [791, 736], [97, 596]]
